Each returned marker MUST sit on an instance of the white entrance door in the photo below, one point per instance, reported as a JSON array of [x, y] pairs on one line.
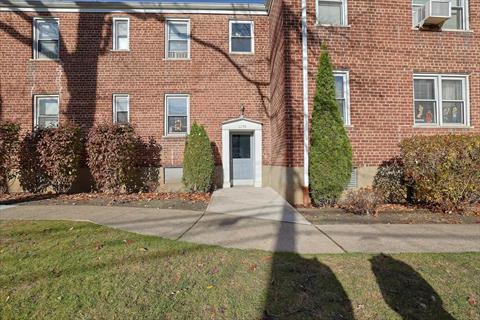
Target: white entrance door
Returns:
[[242, 159]]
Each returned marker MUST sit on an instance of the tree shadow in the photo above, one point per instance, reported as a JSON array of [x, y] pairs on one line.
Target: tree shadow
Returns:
[[302, 288], [405, 291]]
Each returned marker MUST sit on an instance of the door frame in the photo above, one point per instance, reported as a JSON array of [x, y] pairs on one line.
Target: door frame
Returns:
[[240, 125], [243, 182]]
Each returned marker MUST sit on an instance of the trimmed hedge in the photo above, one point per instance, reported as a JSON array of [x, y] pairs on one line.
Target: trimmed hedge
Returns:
[[32, 175], [445, 169], [61, 151], [9, 142], [111, 150], [390, 182], [198, 161], [330, 151]]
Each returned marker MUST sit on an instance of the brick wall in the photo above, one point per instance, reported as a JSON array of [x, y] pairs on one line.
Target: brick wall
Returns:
[[89, 73], [382, 53]]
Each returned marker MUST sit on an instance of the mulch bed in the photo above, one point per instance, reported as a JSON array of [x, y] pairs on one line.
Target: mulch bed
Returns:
[[177, 200], [388, 214]]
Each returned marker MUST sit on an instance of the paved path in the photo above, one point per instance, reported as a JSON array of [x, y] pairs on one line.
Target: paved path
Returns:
[[261, 226]]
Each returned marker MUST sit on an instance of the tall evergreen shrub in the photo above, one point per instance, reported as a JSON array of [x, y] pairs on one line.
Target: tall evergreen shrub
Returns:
[[330, 151], [198, 161]]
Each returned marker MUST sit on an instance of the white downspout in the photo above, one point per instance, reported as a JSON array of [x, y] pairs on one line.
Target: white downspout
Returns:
[[305, 101]]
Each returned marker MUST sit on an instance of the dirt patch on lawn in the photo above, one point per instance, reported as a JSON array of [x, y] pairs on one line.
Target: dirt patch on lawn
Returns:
[[163, 200], [387, 215]]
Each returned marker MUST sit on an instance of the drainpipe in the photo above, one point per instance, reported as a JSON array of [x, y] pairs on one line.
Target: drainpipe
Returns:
[[306, 195]]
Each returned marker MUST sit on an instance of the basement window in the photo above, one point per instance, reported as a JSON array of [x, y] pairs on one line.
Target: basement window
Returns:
[[46, 38]]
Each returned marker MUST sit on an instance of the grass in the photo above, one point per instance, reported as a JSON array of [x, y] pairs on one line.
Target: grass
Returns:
[[66, 270]]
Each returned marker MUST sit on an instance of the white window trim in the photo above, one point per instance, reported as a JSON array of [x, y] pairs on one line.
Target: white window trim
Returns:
[[344, 14], [346, 84], [114, 103], [439, 99], [35, 107], [35, 40], [114, 39], [176, 95], [167, 21], [252, 26], [466, 18]]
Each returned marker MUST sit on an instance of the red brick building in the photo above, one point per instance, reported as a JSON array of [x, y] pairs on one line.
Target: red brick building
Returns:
[[246, 72]]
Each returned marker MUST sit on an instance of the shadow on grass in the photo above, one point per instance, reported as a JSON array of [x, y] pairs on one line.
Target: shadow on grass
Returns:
[[302, 288], [406, 292]]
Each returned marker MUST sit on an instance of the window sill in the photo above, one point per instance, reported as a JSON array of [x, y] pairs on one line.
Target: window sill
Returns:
[[242, 53], [114, 50], [443, 127], [173, 59], [175, 136], [332, 25], [444, 30], [44, 60], [348, 126]]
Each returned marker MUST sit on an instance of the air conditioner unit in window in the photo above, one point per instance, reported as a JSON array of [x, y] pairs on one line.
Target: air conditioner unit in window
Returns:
[[434, 13]]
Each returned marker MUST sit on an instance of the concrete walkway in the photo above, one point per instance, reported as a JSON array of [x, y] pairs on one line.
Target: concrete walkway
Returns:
[[259, 222]]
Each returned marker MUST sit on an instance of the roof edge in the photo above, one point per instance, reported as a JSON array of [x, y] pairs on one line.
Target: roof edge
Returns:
[[130, 6]]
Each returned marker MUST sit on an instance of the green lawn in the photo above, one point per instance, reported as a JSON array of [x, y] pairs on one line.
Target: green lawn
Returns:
[[67, 270]]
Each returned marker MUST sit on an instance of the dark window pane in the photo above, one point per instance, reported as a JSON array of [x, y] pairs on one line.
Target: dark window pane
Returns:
[[122, 117], [424, 89], [47, 122], [48, 49], [241, 45], [341, 108], [241, 29], [425, 112], [453, 112], [47, 29], [339, 89], [177, 124], [241, 146]]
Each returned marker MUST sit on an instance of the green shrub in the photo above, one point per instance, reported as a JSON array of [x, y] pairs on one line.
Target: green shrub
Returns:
[[361, 201], [330, 151], [445, 169], [61, 151], [9, 142], [390, 182], [112, 156], [198, 161], [32, 175]]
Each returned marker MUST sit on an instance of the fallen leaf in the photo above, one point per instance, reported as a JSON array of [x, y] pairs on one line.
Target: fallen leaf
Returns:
[[209, 287], [253, 267], [128, 241], [143, 249], [98, 246], [70, 229], [472, 300]]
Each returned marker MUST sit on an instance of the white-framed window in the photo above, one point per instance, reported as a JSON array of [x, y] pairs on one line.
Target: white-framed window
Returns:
[[177, 109], [332, 12], [440, 100], [177, 39], [121, 108], [242, 38], [342, 94], [46, 111], [121, 34], [458, 21], [46, 38]]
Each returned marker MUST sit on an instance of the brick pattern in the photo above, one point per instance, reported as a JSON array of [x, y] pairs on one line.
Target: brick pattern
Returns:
[[382, 52], [89, 73]]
